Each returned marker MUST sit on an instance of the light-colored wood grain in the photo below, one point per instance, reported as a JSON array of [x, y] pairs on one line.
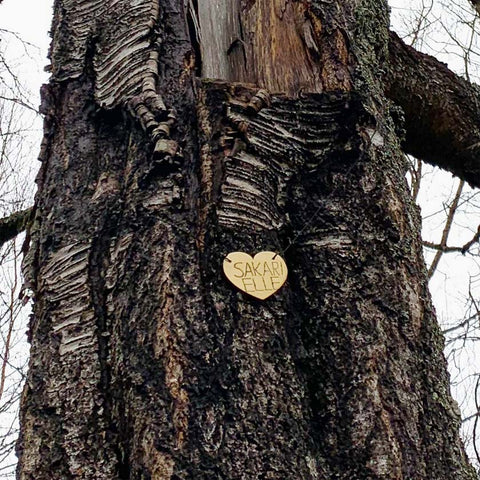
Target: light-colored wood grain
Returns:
[[270, 43], [220, 39]]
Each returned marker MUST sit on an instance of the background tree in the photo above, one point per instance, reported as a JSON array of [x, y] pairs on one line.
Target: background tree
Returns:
[[19, 137], [450, 215], [145, 364]]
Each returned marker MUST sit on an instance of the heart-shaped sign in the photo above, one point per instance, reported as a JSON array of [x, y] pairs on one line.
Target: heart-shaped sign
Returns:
[[260, 276]]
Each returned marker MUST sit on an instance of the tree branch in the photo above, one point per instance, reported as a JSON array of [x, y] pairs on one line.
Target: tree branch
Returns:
[[476, 5], [445, 249], [18, 101], [442, 111], [462, 324], [447, 228], [14, 224], [463, 249]]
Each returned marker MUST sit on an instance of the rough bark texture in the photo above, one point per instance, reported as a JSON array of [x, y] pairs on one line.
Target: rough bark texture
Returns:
[[146, 363], [442, 112]]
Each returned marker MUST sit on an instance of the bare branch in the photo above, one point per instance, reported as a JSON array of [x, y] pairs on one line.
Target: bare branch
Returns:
[[8, 339], [475, 424], [446, 229], [463, 249], [462, 324], [442, 111], [19, 102], [14, 224]]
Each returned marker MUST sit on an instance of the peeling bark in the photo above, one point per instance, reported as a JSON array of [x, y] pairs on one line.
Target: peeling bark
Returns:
[[140, 348]]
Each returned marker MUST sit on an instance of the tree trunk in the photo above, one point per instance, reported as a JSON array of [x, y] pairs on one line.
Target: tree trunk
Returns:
[[175, 135]]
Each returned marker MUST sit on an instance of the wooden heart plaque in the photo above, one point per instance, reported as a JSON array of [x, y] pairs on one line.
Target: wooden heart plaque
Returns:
[[260, 276]]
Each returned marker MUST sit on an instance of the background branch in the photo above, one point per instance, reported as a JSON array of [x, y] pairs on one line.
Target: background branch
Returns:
[[12, 225], [446, 229]]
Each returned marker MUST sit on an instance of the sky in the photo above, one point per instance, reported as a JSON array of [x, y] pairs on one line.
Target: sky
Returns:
[[31, 20]]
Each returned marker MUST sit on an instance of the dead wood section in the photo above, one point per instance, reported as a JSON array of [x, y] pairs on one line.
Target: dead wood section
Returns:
[[442, 111], [283, 46], [256, 45]]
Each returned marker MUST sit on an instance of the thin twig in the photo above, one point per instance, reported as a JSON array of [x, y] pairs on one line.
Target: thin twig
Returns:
[[475, 423], [446, 249], [11, 324], [447, 228]]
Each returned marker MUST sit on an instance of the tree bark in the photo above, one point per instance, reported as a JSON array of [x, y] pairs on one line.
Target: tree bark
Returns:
[[146, 363], [14, 224], [441, 111], [476, 5]]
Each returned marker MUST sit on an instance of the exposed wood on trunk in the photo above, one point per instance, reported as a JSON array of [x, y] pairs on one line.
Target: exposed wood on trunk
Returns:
[[221, 40], [279, 45], [442, 111]]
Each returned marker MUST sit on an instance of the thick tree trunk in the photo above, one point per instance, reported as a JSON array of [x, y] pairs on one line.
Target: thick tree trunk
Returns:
[[146, 363]]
